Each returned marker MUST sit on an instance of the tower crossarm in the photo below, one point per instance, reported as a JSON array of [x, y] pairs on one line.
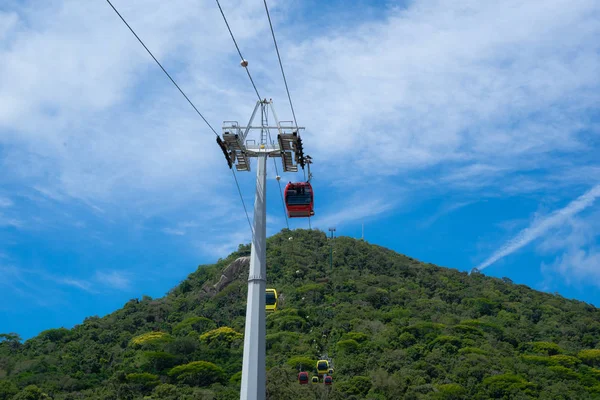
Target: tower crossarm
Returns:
[[226, 152], [237, 151], [292, 154]]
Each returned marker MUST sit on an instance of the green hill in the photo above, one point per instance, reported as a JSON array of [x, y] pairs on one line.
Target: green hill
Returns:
[[394, 327]]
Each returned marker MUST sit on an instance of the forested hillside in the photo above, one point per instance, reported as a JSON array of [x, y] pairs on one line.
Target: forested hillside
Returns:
[[395, 328]]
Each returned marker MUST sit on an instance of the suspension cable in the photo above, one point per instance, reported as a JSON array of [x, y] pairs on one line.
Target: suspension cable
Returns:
[[243, 203], [284, 81], [238, 50], [281, 65], [161, 67], [259, 98], [280, 190], [189, 101]]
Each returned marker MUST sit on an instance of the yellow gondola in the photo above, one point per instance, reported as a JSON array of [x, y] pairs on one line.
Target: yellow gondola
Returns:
[[330, 372], [322, 367], [271, 300], [315, 379]]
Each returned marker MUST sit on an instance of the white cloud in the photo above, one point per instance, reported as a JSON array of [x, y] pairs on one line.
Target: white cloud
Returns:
[[577, 265], [13, 280], [542, 225], [26, 280], [78, 283], [9, 221], [449, 95], [185, 227], [188, 224], [223, 244], [171, 231], [473, 83], [576, 251], [444, 211], [26, 283], [5, 202], [113, 279], [87, 133], [353, 210]]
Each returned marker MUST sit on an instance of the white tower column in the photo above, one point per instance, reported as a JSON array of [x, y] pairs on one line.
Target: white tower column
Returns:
[[238, 150], [254, 365]]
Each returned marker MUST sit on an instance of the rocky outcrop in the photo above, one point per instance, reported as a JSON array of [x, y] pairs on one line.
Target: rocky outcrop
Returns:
[[229, 274]]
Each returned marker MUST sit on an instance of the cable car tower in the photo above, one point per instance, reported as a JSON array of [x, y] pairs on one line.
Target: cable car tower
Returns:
[[238, 150]]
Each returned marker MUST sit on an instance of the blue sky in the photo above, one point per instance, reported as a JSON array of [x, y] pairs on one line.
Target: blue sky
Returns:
[[461, 134]]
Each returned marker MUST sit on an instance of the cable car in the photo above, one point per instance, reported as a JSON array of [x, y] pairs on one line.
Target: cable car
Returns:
[[315, 379], [303, 378], [299, 200], [322, 367], [271, 301], [330, 371], [328, 380]]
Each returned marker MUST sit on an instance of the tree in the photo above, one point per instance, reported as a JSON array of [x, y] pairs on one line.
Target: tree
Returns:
[[198, 373], [31, 392], [193, 324], [590, 357], [7, 390], [223, 335], [393, 327]]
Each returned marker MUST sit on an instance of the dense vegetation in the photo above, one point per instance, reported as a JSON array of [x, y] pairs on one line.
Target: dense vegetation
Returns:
[[395, 328]]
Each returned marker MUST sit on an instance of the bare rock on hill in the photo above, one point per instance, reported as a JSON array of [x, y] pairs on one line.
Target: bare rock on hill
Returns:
[[229, 274]]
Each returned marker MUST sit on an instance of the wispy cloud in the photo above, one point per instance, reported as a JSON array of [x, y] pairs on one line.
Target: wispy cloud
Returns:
[[20, 279], [542, 225], [576, 265], [184, 227], [5, 202], [27, 278], [444, 211], [222, 244], [485, 86], [576, 252], [9, 221], [356, 209], [25, 283], [489, 106], [461, 95], [167, 148], [113, 279], [78, 283], [176, 232]]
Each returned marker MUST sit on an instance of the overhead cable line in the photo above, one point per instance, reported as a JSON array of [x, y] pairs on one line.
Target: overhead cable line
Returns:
[[284, 81], [259, 98], [238, 50], [243, 203], [280, 64], [189, 101], [164, 70], [287, 223]]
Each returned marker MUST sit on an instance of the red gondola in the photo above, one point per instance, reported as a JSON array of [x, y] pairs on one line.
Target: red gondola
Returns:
[[328, 380], [299, 200], [303, 378]]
